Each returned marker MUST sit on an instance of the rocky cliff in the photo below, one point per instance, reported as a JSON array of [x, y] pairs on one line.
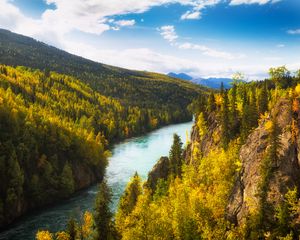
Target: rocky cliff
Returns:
[[285, 170]]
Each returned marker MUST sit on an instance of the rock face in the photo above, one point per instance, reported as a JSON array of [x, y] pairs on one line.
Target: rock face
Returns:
[[159, 171], [285, 174], [209, 141]]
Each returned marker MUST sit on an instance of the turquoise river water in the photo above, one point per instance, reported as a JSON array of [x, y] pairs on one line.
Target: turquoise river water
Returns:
[[135, 154]]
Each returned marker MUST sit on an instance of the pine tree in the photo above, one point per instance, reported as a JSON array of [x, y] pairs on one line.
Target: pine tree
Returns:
[[263, 99], [128, 200], [246, 115], [15, 184], [225, 122], [211, 106], [222, 89], [71, 228], [102, 213], [253, 109], [67, 180], [175, 155], [234, 121]]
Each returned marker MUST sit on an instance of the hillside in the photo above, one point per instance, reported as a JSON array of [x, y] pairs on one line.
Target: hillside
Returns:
[[134, 88]]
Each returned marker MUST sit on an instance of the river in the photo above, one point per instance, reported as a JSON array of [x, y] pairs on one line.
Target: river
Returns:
[[135, 154]]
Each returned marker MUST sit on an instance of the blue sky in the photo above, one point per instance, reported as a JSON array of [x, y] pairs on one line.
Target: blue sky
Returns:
[[204, 38]]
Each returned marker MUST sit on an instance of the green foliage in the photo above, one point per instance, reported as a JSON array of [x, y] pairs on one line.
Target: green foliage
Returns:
[[67, 180], [102, 213], [225, 136], [263, 99], [128, 201], [71, 228], [175, 155], [280, 76]]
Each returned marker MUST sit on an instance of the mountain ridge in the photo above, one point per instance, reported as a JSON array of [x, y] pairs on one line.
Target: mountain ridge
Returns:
[[212, 82]]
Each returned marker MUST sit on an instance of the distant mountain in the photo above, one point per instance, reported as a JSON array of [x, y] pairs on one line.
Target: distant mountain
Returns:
[[213, 82], [207, 82], [182, 76]]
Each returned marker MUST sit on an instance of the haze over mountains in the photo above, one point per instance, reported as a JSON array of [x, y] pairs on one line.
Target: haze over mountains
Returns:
[[207, 82]]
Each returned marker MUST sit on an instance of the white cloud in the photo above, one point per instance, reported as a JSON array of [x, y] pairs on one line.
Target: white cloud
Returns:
[[149, 60], [89, 16], [260, 2], [191, 15], [294, 31], [199, 5], [125, 23], [209, 51], [168, 33], [280, 45]]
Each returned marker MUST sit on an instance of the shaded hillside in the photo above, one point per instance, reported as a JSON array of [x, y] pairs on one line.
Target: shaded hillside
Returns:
[[144, 89]]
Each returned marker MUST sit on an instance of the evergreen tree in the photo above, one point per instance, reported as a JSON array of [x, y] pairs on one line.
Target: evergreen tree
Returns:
[[263, 99], [102, 213], [175, 155], [128, 200], [67, 180], [71, 228], [246, 116], [253, 109], [225, 122], [234, 121], [15, 184], [222, 89], [211, 106]]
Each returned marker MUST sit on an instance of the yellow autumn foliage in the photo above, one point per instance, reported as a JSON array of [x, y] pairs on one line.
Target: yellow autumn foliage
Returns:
[[44, 235], [87, 226]]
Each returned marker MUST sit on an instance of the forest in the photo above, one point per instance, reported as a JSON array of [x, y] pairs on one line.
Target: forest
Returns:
[[55, 135], [195, 198], [134, 88]]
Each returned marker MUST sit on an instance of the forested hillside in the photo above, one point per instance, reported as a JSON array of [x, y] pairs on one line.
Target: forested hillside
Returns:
[[238, 177], [55, 132], [134, 88]]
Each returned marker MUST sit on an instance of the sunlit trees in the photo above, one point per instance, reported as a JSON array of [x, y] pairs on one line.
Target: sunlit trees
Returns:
[[128, 201], [278, 75], [44, 235]]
